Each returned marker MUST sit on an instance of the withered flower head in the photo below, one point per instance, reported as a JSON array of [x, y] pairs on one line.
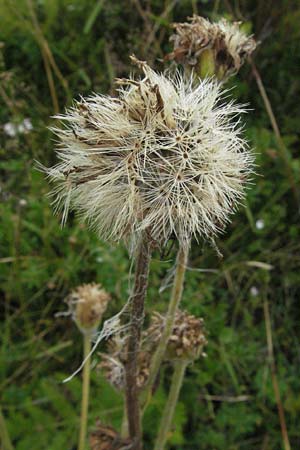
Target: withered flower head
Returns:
[[106, 438], [87, 304], [164, 156], [187, 339], [211, 48], [114, 361]]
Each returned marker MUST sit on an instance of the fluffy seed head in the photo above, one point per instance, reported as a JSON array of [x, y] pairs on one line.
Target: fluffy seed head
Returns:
[[164, 156], [187, 339], [87, 304], [224, 42]]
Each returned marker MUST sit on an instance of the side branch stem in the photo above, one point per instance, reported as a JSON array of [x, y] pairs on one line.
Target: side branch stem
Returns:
[[136, 321], [85, 391], [4, 436], [170, 406], [176, 295]]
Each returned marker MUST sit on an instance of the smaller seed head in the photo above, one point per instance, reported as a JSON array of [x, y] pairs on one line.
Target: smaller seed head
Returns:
[[87, 304], [187, 339], [211, 48]]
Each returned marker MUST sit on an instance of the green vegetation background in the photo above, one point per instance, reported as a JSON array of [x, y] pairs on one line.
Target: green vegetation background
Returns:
[[227, 401]]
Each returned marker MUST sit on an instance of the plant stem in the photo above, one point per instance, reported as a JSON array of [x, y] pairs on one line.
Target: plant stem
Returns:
[[124, 426], [136, 321], [5, 439], [85, 391], [169, 323], [170, 406], [284, 432]]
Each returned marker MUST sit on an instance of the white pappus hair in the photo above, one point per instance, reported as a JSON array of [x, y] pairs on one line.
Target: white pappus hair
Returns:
[[166, 157]]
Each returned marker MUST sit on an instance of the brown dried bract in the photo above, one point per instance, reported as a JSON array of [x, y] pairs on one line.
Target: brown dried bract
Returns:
[[114, 361], [187, 339], [106, 438], [230, 46], [87, 304]]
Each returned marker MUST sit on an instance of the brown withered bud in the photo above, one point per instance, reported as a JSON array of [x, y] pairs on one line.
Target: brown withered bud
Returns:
[[211, 48], [187, 339], [114, 361], [106, 438], [87, 304]]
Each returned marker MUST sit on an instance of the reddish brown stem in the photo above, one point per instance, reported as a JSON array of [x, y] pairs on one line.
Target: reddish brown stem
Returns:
[[136, 322], [284, 432]]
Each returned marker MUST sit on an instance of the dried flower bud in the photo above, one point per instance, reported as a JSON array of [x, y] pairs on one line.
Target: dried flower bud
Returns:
[[187, 339], [211, 48], [87, 305], [114, 361], [164, 156], [106, 438]]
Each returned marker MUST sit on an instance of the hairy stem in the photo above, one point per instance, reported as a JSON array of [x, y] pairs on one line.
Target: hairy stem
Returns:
[[169, 323], [136, 322], [170, 406], [85, 391]]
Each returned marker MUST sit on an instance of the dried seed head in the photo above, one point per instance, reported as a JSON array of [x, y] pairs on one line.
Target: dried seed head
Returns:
[[187, 339], [106, 438], [87, 305], [211, 48], [164, 156], [114, 361]]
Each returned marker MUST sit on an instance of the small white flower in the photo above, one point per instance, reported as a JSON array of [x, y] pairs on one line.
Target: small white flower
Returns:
[[165, 157], [260, 224], [27, 124], [22, 202], [10, 129], [21, 128], [254, 291]]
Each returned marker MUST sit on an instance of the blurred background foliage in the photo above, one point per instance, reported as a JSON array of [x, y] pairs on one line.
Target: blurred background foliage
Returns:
[[54, 50]]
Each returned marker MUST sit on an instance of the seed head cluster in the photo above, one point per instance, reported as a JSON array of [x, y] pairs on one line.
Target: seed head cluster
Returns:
[[229, 44], [164, 157], [185, 343]]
